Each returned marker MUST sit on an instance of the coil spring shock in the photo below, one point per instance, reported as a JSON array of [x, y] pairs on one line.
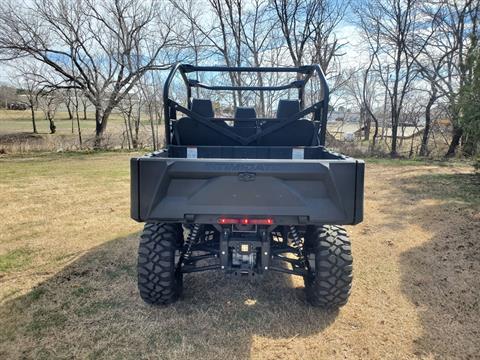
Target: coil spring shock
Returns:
[[191, 240], [297, 242]]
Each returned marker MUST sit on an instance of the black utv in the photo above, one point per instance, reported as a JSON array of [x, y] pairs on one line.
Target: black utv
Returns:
[[246, 195]]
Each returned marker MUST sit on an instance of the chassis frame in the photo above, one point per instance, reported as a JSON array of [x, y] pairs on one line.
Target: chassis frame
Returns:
[[270, 246]]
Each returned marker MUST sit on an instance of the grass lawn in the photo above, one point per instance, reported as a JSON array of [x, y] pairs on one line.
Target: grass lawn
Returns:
[[16, 134], [12, 121], [68, 278]]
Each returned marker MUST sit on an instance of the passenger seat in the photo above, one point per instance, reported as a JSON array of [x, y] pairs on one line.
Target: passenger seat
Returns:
[[299, 133], [192, 132]]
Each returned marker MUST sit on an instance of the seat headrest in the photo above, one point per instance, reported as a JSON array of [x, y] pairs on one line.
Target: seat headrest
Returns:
[[203, 107], [287, 108], [245, 113]]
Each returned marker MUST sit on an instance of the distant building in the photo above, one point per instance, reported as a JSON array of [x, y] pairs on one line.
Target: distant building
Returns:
[[342, 116]]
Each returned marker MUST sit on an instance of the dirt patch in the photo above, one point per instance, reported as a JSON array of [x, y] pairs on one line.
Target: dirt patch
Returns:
[[415, 292]]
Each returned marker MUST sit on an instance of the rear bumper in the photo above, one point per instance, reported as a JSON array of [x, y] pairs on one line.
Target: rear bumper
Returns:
[[202, 190]]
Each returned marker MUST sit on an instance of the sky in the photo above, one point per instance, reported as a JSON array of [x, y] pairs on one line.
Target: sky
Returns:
[[346, 32]]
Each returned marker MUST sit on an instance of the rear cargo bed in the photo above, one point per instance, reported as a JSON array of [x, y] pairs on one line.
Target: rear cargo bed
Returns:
[[291, 185]]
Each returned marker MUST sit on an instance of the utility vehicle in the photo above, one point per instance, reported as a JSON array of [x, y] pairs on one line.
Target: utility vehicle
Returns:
[[246, 195]]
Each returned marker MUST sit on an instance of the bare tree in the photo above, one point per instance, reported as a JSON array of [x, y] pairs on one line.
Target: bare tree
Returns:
[[387, 26], [100, 47], [28, 80], [257, 36], [48, 102], [221, 28], [84, 100], [296, 20], [326, 45], [456, 22], [190, 34], [131, 110], [150, 92], [364, 87], [68, 101]]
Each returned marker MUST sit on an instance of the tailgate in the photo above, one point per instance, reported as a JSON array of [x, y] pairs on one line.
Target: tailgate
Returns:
[[290, 191]]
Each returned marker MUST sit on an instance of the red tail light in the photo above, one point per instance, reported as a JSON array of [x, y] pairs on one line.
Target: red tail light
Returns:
[[268, 221], [226, 221]]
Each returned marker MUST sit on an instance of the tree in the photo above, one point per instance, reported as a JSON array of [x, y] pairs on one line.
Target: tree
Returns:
[[445, 37], [387, 26], [326, 46], [364, 87], [48, 102], [469, 101], [221, 28], [27, 78], [257, 36], [458, 22], [100, 47], [131, 110], [296, 20]]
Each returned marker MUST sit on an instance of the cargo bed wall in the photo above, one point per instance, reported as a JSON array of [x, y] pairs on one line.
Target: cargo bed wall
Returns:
[[202, 190]]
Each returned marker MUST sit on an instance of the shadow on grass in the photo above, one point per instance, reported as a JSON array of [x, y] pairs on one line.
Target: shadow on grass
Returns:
[[92, 309], [442, 276]]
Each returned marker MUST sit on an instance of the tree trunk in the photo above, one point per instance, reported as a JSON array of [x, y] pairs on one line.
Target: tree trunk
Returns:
[[457, 135], [33, 120], [127, 132], [468, 145], [393, 150], [84, 111], [137, 125], [367, 123], [70, 115], [375, 134], [151, 114], [101, 119], [53, 128], [78, 124], [426, 130]]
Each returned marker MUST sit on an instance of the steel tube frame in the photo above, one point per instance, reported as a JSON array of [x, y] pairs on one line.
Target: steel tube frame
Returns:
[[319, 115]]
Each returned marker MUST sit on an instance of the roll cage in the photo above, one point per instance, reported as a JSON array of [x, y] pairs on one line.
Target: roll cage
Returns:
[[318, 109]]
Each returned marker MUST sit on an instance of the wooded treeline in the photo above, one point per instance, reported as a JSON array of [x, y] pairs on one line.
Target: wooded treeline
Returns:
[[411, 62]]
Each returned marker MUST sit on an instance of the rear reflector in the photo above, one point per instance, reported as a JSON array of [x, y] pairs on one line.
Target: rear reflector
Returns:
[[245, 221], [298, 154], [192, 153]]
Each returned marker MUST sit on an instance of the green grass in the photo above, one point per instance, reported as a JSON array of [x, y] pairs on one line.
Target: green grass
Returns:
[[55, 164], [417, 162], [16, 133], [14, 121], [15, 260], [44, 320], [464, 188]]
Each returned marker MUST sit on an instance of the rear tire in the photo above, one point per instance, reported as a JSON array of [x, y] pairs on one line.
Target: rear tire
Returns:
[[159, 282], [329, 285]]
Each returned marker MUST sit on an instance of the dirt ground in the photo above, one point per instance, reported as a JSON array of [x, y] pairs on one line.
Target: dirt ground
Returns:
[[68, 283]]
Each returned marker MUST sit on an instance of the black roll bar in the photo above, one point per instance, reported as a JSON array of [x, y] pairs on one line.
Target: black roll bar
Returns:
[[320, 108], [187, 68], [293, 85]]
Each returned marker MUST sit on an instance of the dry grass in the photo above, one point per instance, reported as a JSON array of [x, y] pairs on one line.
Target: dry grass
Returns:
[[68, 287]]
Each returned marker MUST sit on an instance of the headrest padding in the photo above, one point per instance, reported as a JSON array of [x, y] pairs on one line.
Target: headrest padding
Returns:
[[287, 108], [245, 113], [203, 107]]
